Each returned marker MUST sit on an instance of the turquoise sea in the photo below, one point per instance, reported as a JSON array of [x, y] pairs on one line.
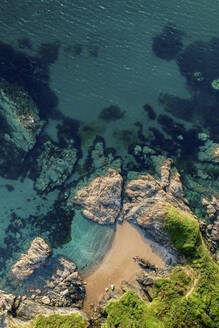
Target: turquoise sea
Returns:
[[100, 53]]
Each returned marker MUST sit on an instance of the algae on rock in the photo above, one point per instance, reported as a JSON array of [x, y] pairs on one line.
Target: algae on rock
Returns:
[[20, 125]]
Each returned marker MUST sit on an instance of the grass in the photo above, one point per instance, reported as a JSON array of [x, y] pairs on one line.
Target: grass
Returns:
[[171, 307]]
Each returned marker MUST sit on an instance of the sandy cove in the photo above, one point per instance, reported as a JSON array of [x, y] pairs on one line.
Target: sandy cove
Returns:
[[118, 263]]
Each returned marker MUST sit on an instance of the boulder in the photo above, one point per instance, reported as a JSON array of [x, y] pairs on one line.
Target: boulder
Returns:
[[145, 265], [64, 288], [101, 198], [35, 256]]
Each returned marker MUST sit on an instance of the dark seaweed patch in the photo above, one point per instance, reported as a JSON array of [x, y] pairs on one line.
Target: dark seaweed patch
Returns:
[[25, 43], [48, 52], [93, 50], [32, 73], [111, 113], [150, 111], [200, 57], [161, 143], [9, 187], [178, 107], [68, 131], [75, 49], [169, 43]]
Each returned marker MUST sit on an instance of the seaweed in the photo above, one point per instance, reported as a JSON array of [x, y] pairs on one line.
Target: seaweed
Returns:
[[32, 74], [169, 43], [150, 111], [111, 113]]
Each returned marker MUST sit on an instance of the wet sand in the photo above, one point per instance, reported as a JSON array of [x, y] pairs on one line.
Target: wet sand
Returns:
[[118, 264]]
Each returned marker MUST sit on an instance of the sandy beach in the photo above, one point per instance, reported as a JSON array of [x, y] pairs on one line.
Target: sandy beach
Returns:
[[118, 264]]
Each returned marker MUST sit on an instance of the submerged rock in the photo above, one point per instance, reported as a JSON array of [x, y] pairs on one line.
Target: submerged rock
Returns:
[[20, 126], [64, 288], [101, 198], [36, 256], [54, 165], [209, 152]]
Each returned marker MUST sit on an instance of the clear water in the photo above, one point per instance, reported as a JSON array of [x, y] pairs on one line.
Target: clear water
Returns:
[[89, 242], [124, 72]]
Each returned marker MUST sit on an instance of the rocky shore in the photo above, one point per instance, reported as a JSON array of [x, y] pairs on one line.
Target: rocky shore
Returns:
[[137, 193]]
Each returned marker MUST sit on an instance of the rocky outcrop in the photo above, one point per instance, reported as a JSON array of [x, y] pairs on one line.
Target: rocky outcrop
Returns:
[[6, 305], [20, 126], [54, 165], [36, 256], [212, 209], [101, 198], [64, 288], [146, 198], [165, 171], [21, 309], [144, 264]]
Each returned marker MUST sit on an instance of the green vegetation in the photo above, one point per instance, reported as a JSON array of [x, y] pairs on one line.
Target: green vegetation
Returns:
[[189, 298], [130, 311], [57, 321], [183, 230]]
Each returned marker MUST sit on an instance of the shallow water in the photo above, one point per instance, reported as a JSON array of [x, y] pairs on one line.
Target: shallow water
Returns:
[[113, 63], [89, 242]]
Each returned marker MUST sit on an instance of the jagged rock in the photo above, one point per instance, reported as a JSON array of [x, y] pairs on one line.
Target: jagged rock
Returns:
[[20, 126], [101, 198], [145, 202], [36, 256], [54, 165], [64, 288], [212, 208], [165, 171], [175, 186], [6, 305], [143, 279], [145, 264]]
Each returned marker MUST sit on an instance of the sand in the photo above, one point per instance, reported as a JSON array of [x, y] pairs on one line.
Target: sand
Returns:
[[118, 263]]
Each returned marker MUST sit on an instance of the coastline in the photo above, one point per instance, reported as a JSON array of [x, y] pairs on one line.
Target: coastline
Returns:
[[118, 264]]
